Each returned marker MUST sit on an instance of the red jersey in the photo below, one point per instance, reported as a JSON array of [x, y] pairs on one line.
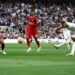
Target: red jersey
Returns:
[[33, 22], [32, 27]]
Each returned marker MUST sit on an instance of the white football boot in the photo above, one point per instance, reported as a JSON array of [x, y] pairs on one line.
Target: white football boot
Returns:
[[29, 49], [39, 48]]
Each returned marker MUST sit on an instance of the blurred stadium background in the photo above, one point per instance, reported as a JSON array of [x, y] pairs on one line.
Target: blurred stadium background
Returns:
[[13, 15]]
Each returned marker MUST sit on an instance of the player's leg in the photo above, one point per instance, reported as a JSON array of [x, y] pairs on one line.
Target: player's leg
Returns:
[[72, 50], [68, 46], [53, 41], [59, 42], [37, 42], [63, 42], [28, 39], [68, 42], [2, 46]]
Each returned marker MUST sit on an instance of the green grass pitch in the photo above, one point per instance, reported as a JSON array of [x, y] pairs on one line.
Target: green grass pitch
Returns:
[[49, 61]]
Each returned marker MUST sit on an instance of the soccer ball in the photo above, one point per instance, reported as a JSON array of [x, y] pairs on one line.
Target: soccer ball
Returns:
[[20, 40]]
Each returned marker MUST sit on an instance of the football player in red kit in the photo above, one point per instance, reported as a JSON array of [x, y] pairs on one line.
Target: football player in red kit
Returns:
[[2, 43], [32, 30]]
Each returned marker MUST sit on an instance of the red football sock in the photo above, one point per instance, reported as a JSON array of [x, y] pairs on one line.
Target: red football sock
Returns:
[[37, 42], [28, 42]]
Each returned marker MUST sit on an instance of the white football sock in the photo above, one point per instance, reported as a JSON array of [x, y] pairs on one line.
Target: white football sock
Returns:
[[73, 48]]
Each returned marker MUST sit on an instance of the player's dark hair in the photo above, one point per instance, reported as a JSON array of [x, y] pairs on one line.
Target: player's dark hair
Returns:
[[32, 10]]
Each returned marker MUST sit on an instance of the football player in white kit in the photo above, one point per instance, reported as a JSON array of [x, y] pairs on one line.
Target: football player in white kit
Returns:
[[72, 26], [66, 36]]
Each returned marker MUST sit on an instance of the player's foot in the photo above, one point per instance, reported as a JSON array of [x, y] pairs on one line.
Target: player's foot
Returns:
[[56, 47], [38, 50], [3, 52], [29, 49], [70, 54]]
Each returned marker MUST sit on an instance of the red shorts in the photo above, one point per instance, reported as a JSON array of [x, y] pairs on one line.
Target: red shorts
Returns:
[[31, 32]]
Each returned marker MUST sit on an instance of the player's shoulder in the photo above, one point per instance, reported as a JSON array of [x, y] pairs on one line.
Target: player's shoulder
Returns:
[[29, 16], [35, 16]]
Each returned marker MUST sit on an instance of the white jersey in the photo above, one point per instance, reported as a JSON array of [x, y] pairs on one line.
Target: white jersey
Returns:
[[66, 34], [66, 39]]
